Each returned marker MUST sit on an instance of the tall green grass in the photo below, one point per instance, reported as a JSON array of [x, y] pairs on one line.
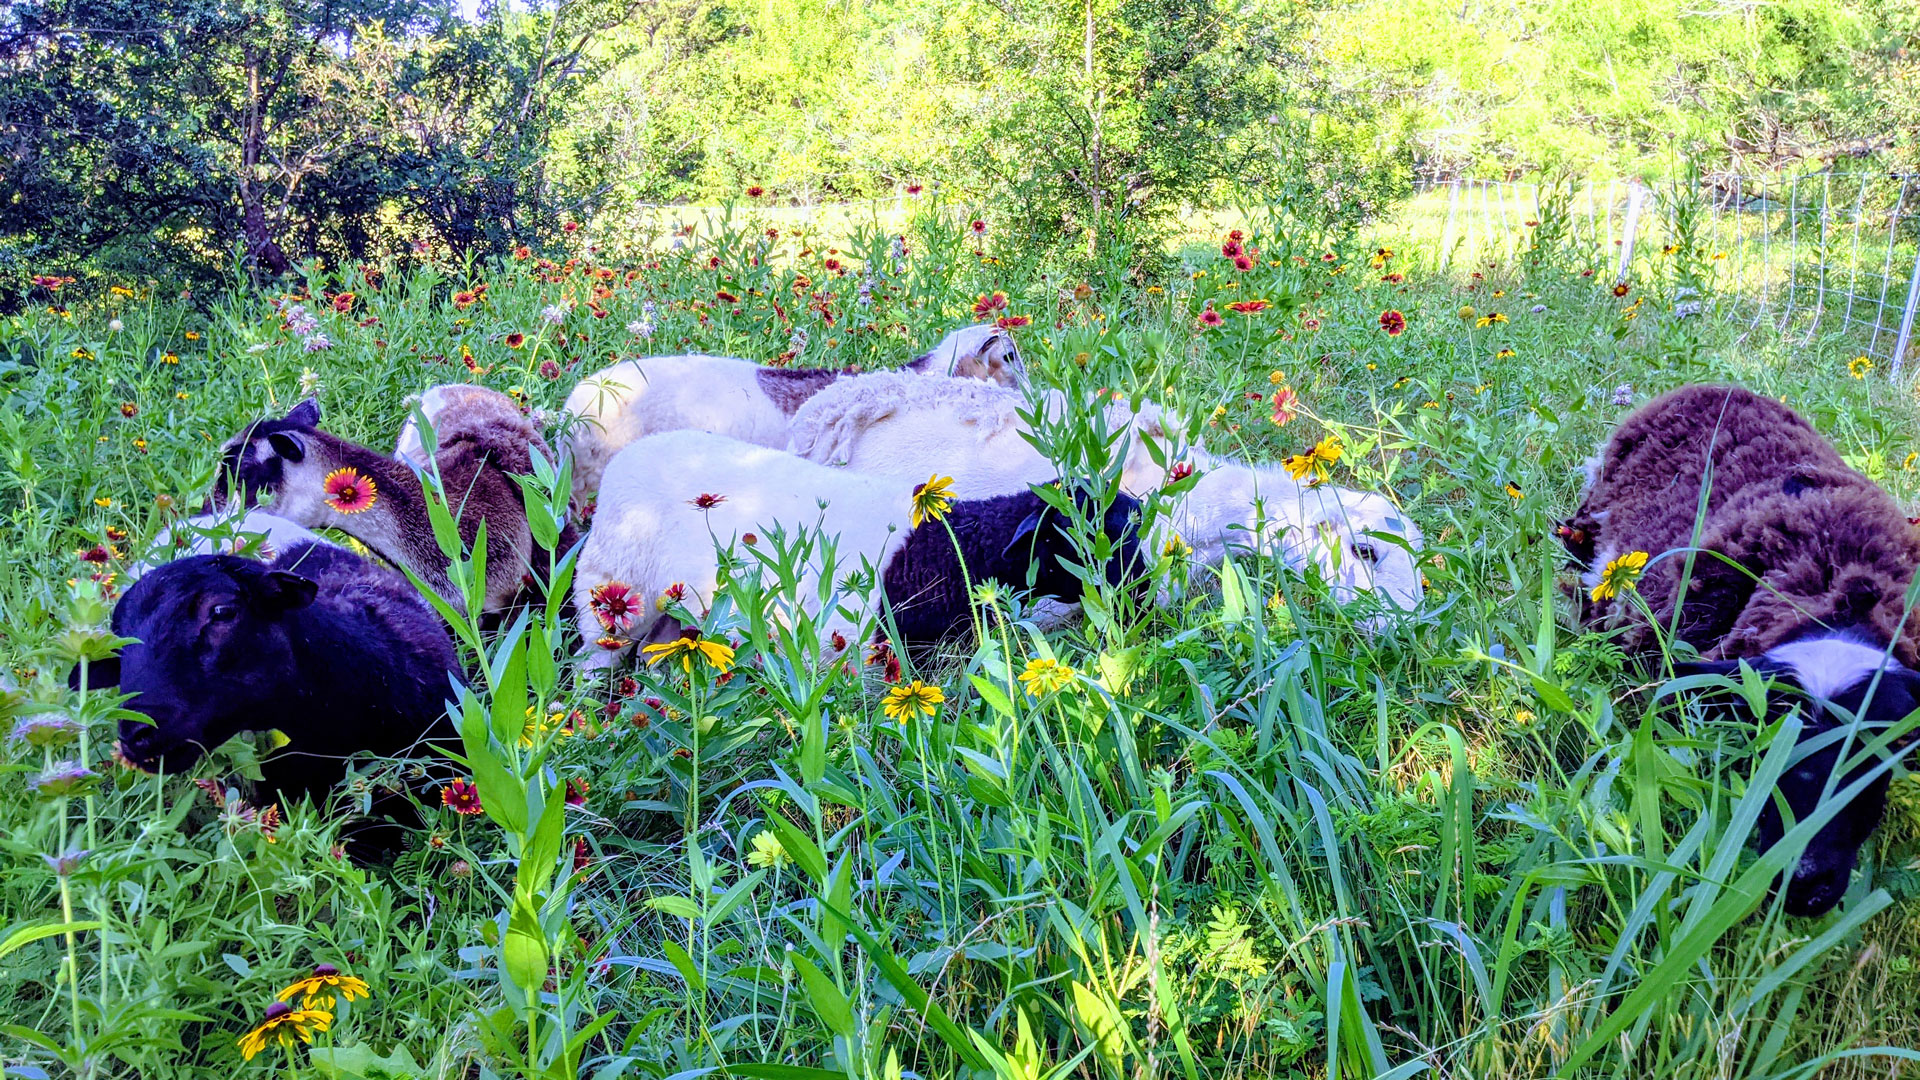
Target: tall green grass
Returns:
[[1246, 839]]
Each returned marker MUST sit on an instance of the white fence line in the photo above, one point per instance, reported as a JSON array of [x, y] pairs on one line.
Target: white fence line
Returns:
[[1834, 254]]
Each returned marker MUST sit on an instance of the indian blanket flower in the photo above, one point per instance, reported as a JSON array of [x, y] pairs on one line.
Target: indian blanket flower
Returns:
[[1247, 307], [978, 226], [1243, 263], [347, 491], [1011, 322], [1621, 288], [1211, 317], [902, 702], [614, 605], [1859, 366], [283, 1024], [321, 986], [687, 646], [1393, 322], [932, 500], [754, 191], [989, 303], [516, 339], [1621, 574], [1044, 676], [1286, 405], [1318, 462], [706, 501], [461, 797]]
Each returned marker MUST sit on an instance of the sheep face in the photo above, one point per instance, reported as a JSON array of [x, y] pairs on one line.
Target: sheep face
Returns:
[[981, 351], [1816, 674], [1362, 544], [1046, 533], [213, 644], [270, 458]]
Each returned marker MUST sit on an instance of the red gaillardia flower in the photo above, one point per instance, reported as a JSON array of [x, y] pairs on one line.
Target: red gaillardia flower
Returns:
[[461, 797], [348, 492], [978, 226], [1243, 262], [1211, 317], [706, 501], [988, 304], [1393, 322], [1011, 322], [516, 339], [613, 604], [755, 191], [1247, 307]]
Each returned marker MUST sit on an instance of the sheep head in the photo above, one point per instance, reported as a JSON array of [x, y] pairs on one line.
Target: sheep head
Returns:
[[981, 351], [1046, 534], [212, 649], [1827, 675], [274, 459], [1362, 543]]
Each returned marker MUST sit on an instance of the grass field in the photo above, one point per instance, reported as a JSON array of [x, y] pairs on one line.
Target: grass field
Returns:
[[1245, 839]]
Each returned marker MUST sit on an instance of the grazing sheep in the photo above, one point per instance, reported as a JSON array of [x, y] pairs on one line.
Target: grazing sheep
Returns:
[[341, 656], [381, 502], [1360, 540], [256, 533], [739, 398], [912, 427], [471, 403], [667, 498], [1811, 589]]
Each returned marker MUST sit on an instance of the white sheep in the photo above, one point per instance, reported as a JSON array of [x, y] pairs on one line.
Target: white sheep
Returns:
[[910, 427], [257, 532], [667, 499], [1359, 539], [727, 396]]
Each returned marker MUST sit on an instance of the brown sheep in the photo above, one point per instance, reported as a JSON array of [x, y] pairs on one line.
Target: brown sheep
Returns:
[[1803, 571]]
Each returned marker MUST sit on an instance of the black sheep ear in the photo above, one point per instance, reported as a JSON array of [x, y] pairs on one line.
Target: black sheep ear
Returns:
[[1024, 533], [279, 590], [288, 445], [306, 414], [101, 673]]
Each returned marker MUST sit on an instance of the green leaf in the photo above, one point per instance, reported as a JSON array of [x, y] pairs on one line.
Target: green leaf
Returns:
[[828, 1002], [21, 936], [523, 953]]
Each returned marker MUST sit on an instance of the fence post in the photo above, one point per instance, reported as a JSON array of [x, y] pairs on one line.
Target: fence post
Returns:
[[1636, 198], [1906, 317], [1446, 233]]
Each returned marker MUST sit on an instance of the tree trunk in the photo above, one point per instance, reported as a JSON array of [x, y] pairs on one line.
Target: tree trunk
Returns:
[[262, 250]]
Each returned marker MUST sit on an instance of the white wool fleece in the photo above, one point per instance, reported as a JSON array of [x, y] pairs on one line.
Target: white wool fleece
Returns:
[[912, 427], [649, 535], [1260, 507], [654, 394]]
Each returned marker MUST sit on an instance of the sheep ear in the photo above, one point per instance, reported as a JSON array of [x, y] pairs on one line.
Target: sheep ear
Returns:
[[279, 590], [306, 414], [101, 673], [1024, 533], [288, 445]]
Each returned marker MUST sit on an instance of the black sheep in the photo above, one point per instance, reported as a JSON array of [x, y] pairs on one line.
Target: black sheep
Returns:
[[341, 656]]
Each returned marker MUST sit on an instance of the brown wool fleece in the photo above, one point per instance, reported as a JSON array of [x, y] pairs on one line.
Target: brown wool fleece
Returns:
[[1825, 544]]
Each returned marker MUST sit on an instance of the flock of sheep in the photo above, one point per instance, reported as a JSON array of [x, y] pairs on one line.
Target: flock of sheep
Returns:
[[1801, 567]]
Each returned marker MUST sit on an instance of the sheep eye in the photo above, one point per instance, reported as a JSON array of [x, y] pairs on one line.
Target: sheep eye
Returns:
[[223, 612], [1366, 552]]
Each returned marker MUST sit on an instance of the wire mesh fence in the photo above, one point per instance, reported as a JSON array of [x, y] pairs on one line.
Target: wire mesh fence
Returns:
[[1834, 254]]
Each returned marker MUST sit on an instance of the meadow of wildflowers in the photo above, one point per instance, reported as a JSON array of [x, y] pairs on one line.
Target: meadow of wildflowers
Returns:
[[1229, 834]]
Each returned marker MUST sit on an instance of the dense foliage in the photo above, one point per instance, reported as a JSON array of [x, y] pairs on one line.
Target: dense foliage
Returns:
[[1231, 835]]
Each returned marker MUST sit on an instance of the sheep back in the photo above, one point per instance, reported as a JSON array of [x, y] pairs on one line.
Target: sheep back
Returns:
[[1824, 543], [649, 532]]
